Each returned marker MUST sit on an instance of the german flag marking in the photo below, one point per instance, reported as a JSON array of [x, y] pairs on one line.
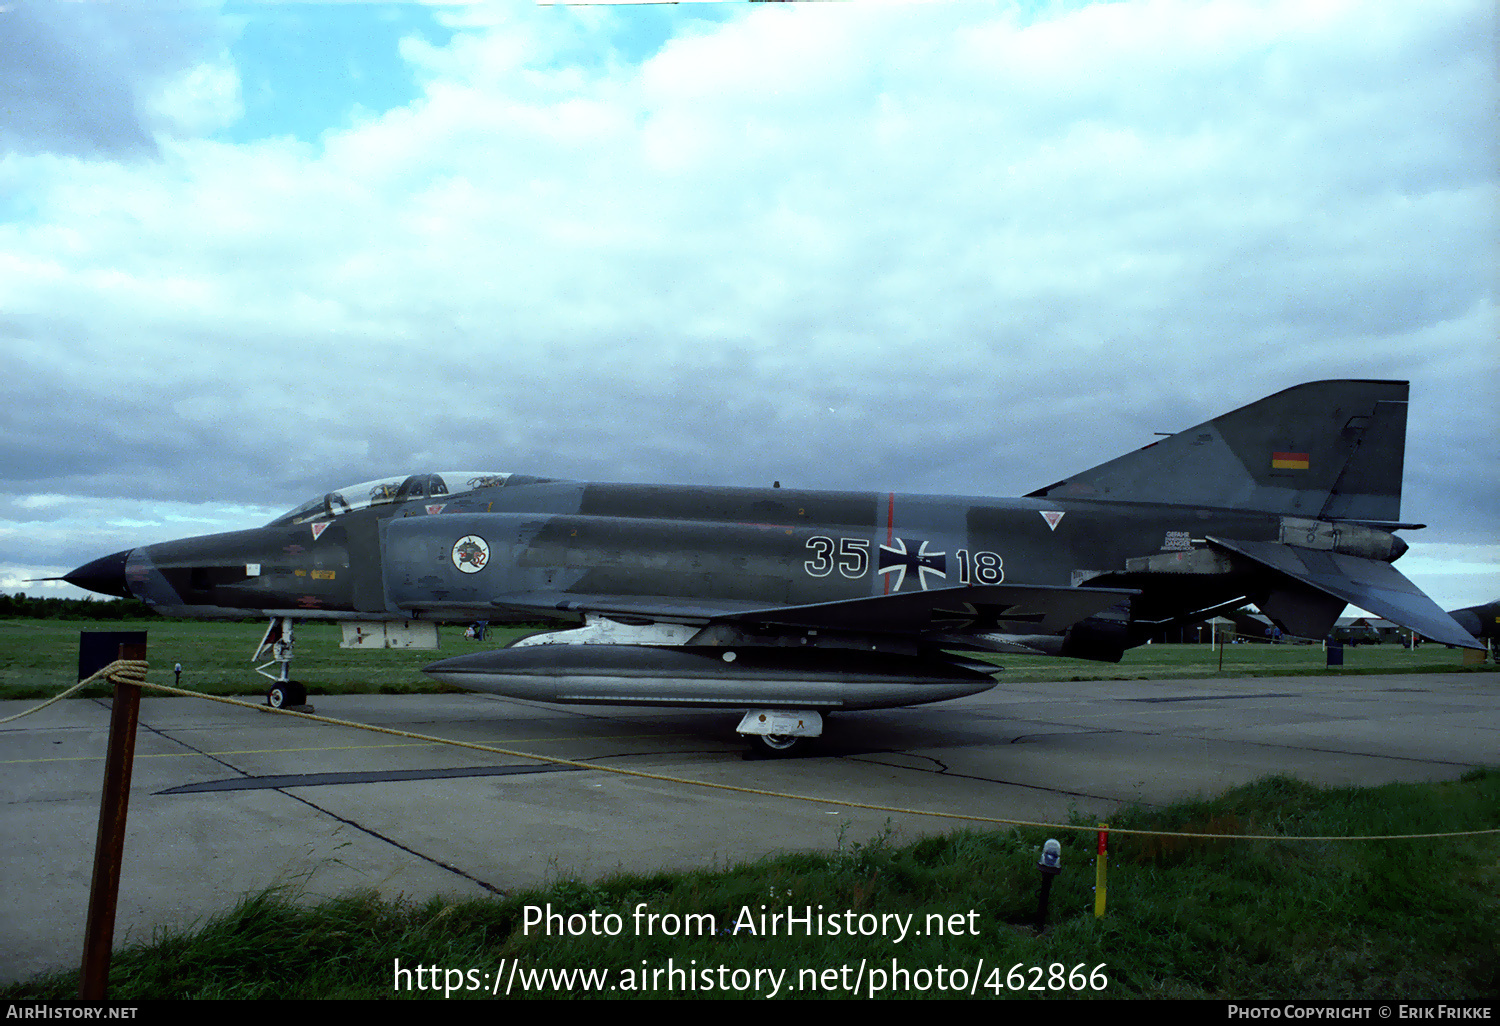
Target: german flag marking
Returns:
[[1288, 461]]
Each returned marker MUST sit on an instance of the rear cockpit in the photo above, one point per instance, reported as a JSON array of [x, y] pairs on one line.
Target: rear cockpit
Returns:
[[393, 490]]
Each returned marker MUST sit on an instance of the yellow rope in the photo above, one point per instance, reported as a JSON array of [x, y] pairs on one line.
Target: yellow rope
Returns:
[[134, 672], [121, 671]]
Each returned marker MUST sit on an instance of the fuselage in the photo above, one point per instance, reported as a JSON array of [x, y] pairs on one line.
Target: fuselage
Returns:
[[449, 555]]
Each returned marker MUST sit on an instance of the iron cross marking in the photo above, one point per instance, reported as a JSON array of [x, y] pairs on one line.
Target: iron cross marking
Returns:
[[898, 557]]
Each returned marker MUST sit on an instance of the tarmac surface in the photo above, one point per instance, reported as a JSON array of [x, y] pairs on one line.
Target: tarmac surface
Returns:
[[229, 801]]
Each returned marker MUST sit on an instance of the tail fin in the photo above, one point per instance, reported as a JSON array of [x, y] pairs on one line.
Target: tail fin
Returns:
[[1329, 449]]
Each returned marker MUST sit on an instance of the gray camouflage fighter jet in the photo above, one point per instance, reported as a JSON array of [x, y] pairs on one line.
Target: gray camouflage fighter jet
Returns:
[[792, 603], [1482, 621]]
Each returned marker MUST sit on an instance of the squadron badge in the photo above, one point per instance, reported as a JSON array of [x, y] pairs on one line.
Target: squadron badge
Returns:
[[470, 553]]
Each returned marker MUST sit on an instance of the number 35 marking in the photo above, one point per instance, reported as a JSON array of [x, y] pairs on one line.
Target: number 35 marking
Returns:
[[853, 556]]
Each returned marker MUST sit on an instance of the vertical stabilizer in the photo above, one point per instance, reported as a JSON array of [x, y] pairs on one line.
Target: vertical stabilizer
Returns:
[[1329, 449]]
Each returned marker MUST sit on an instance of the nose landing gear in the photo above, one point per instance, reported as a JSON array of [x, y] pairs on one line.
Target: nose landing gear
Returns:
[[278, 643]]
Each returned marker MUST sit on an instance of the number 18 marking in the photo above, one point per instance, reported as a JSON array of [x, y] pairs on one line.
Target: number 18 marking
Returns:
[[980, 567]]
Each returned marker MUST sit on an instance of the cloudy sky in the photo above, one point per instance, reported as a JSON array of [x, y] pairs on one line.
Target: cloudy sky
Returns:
[[251, 251]]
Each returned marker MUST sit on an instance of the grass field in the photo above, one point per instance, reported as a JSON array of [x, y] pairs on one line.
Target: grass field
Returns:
[[1185, 918], [40, 657]]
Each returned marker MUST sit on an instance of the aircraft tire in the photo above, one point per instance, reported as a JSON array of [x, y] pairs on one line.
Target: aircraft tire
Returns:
[[280, 696], [777, 746]]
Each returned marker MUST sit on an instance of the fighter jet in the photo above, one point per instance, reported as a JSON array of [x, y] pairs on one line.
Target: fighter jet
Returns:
[[1482, 621], [792, 603]]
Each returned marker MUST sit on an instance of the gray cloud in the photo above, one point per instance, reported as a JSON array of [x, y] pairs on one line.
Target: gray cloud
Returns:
[[844, 247], [72, 74]]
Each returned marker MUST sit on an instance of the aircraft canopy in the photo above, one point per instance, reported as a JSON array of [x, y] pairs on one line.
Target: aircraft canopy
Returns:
[[392, 490]]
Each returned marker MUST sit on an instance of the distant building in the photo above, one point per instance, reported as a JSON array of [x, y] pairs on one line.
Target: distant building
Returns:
[[1368, 630], [1198, 633]]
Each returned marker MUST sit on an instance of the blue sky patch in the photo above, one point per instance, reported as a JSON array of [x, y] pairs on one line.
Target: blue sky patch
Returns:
[[305, 68]]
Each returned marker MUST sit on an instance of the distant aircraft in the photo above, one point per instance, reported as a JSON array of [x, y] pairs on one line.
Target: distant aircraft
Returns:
[[1482, 621], [792, 603]]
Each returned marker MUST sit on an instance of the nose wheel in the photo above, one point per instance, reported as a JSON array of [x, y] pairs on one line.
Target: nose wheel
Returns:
[[284, 693]]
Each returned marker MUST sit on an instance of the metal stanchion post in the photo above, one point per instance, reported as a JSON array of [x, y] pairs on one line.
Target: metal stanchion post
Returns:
[[1049, 866], [1099, 868], [109, 847]]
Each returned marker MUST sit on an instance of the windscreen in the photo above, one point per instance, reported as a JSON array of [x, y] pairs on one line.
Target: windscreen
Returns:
[[400, 488]]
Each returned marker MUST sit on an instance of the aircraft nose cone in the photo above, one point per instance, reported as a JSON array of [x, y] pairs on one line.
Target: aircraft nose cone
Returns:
[[105, 575]]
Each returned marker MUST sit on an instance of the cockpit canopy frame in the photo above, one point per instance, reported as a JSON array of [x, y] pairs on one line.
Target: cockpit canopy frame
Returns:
[[393, 489]]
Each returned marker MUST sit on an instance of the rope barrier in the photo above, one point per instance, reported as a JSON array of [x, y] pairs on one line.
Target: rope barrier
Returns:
[[129, 674], [121, 671]]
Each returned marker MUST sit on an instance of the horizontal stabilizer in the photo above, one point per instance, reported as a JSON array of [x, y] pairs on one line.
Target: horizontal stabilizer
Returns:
[[1034, 609], [1367, 583]]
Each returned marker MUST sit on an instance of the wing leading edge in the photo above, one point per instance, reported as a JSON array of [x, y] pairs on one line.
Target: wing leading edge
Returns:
[[995, 608]]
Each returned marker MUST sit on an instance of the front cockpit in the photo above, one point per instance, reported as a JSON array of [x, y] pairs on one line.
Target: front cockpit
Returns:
[[392, 490]]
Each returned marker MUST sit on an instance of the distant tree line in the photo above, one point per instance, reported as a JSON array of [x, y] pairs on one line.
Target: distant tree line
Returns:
[[21, 605]]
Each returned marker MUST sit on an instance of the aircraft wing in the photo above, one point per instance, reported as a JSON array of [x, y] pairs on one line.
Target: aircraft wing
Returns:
[[1003, 608], [644, 607], [1367, 583], [1027, 609]]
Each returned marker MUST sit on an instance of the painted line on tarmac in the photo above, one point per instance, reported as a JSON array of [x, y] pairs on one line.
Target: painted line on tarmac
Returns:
[[1210, 698], [325, 748], [364, 777]]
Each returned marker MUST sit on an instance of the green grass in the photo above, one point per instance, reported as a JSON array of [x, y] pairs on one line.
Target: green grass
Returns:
[[38, 658], [1164, 662], [1185, 918]]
